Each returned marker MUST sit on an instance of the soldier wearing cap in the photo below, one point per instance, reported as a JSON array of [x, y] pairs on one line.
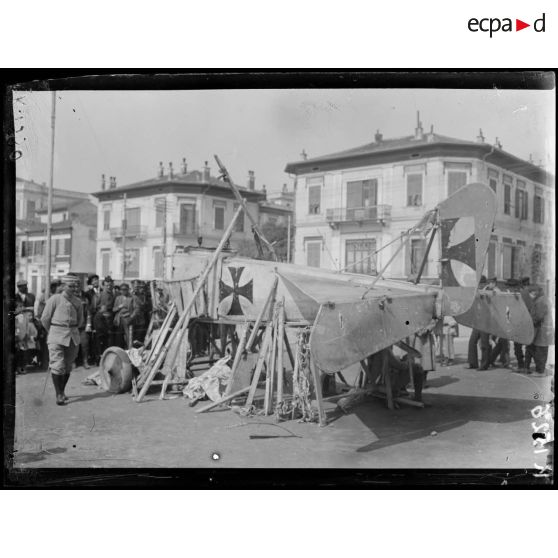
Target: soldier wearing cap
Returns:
[[24, 299], [104, 316], [62, 318]]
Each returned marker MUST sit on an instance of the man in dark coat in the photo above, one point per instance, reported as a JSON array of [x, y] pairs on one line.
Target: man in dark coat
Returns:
[[104, 316], [544, 331], [477, 335], [23, 297], [518, 347]]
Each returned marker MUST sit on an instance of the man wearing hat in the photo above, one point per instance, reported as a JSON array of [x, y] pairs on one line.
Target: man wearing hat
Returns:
[[93, 294], [62, 318], [26, 331], [544, 330], [24, 298], [104, 316], [139, 316]]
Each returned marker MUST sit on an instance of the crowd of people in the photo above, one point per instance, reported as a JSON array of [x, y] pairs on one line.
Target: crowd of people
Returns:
[[496, 351], [113, 315]]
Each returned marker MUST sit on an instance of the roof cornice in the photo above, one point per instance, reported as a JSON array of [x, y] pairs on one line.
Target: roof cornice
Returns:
[[408, 154]]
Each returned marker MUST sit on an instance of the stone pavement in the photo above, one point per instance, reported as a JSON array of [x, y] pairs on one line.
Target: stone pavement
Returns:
[[473, 419]]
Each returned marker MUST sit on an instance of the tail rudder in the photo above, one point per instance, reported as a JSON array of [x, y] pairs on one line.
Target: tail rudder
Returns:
[[466, 221]]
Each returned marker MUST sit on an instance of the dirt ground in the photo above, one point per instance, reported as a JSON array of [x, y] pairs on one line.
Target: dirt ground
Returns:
[[473, 419]]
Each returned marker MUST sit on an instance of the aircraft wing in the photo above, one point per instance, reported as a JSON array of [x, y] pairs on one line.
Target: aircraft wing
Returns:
[[501, 314], [348, 328]]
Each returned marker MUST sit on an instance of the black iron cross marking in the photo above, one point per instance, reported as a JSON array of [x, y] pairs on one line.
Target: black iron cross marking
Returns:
[[235, 291]]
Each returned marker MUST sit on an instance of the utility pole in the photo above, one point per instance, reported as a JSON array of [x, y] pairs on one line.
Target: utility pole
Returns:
[[288, 239], [165, 239], [124, 232], [49, 200]]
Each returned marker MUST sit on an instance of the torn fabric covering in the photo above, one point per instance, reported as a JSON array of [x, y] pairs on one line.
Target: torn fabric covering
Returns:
[[211, 383]]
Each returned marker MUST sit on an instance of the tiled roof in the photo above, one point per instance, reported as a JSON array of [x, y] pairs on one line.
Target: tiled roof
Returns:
[[193, 177], [390, 145], [402, 149]]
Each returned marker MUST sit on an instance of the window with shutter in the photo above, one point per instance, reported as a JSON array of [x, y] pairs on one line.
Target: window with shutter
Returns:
[[456, 179], [414, 189], [313, 253], [314, 199]]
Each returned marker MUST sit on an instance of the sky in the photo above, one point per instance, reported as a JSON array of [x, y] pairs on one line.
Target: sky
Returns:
[[126, 133]]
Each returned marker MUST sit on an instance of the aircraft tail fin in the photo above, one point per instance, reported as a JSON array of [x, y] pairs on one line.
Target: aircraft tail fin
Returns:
[[466, 220]]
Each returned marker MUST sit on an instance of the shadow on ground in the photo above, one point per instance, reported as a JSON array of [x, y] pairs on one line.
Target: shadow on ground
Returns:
[[440, 381], [409, 423]]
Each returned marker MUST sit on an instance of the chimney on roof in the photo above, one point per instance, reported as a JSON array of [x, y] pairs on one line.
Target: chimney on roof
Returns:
[[251, 180], [378, 137], [206, 173], [304, 155], [498, 144], [419, 133], [264, 189], [161, 171], [171, 171], [285, 189], [103, 182], [184, 166], [531, 158], [112, 182], [430, 136], [480, 137]]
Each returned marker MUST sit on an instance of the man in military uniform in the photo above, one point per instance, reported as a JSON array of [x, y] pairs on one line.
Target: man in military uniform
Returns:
[[62, 318]]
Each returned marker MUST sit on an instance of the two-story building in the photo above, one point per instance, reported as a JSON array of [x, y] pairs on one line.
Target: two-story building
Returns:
[[73, 238], [152, 220], [31, 196], [351, 203]]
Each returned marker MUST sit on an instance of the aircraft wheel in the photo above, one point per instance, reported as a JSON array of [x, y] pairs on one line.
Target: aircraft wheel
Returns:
[[116, 370]]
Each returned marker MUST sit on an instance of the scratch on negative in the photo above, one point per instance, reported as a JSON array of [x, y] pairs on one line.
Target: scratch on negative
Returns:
[[91, 430]]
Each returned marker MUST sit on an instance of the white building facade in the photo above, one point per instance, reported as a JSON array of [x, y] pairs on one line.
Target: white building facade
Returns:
[[350, 204], [155, 219]]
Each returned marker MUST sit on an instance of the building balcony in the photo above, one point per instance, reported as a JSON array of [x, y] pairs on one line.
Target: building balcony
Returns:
[[376, 214], [180, 230], [138, 232], [62, 258]]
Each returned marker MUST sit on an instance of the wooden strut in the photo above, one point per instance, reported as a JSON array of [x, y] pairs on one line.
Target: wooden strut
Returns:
[[162, 332], [318, 391], [240, 199], [386, 370], [268, 301], [237, 359], [280, 345], [270, 377], [225, 399], [259, 364], [186, 313], [383, 270]]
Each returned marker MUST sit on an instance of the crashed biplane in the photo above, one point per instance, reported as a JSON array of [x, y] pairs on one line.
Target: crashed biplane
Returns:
[[347, 316]]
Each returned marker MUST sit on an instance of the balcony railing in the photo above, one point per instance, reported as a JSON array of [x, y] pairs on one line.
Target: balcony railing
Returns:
[[373, 214], [185, 230], [132, 231]]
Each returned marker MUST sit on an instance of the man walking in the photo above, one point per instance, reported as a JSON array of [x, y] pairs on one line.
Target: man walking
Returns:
[[518, 347], [544, 331], [61, 318]]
